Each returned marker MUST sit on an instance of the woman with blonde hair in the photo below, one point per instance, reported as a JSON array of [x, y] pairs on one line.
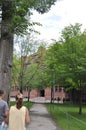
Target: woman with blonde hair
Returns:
[[18, 115]]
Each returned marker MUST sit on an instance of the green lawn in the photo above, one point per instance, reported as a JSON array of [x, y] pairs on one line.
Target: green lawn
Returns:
[[67, 117]]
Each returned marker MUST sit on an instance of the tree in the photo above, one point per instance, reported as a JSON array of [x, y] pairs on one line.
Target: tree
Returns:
[[37, 76], [75, 43], [68, 59], [14, 21], [29, 70]]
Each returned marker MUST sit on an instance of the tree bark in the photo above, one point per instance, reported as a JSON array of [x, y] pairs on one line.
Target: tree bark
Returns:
[[6, 48]]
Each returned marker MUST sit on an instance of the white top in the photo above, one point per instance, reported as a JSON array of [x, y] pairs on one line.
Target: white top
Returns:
[[17, 118]]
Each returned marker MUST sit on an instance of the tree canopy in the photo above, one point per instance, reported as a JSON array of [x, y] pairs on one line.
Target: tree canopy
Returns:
[[20, 11]]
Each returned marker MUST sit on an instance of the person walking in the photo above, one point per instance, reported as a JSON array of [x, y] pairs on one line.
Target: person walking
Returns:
[[4, 111], [18, 115]]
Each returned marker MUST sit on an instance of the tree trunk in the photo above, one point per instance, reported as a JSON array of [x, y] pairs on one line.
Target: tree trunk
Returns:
[[29, 90], [51, 95], [80, 102], [6, 48], [80, 97]]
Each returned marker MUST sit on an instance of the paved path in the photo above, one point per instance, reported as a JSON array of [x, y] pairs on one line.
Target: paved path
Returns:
[[41, 119]]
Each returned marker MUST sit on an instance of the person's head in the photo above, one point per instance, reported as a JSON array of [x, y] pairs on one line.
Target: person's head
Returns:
[[1, 93], [19, 100]]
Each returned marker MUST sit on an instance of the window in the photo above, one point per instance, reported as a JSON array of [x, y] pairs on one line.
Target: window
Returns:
[[58, 89]]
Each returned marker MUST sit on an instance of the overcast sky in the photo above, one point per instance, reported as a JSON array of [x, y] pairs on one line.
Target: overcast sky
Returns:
[[62, 14]]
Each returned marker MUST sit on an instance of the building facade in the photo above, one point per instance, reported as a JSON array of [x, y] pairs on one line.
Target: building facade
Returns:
[[57, 94]]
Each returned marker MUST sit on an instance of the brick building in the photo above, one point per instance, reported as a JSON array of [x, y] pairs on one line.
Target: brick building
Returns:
[[58, 93]]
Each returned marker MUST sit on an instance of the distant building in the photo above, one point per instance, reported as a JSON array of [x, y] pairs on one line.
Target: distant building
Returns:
[[58, 93]]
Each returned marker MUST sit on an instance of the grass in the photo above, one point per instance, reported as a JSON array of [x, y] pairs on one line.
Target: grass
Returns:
[[67, 117]]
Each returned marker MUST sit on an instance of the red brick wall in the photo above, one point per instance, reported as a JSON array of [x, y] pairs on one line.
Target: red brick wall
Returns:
[[61, 94], [35, 93], [47, 93]]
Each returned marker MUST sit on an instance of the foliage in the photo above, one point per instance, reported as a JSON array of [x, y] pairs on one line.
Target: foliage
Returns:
[[15, 70], [67, 57], [20, 11], [31, 68], [35, 76]]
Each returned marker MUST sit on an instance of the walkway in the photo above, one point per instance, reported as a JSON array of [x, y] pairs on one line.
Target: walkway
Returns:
[[41, 119]]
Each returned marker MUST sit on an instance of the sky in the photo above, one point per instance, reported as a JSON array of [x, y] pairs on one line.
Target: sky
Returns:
[[62, 14]]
